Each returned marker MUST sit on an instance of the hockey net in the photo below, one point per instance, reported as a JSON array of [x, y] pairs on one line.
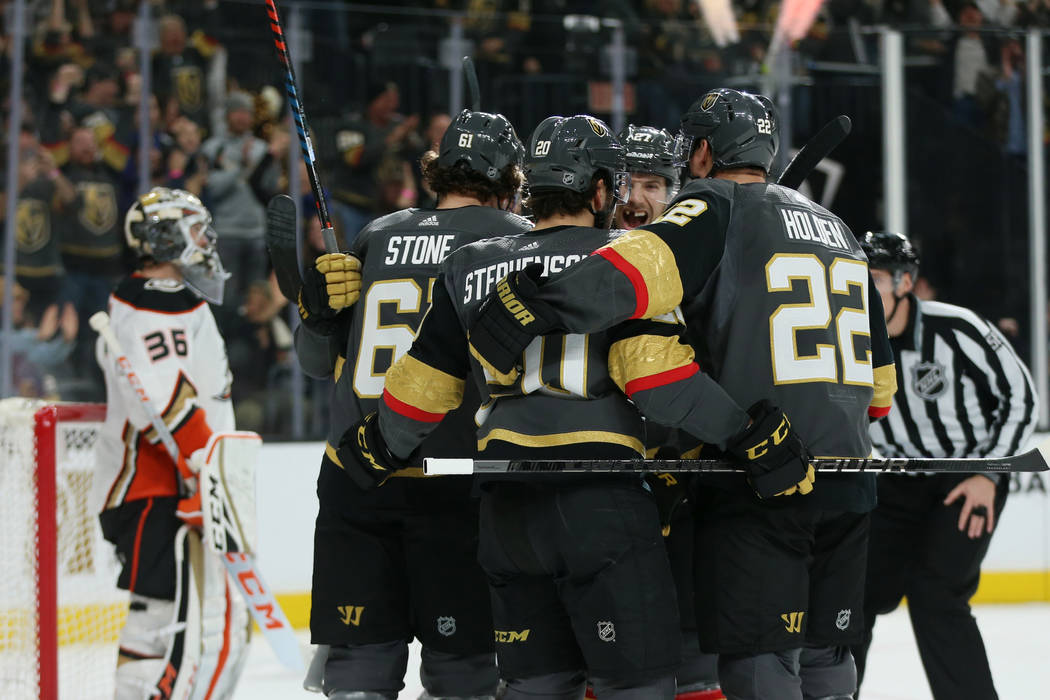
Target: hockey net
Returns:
[[60, 610]]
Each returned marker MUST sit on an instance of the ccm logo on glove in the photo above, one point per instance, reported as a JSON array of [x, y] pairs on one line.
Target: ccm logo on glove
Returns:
[[777, 436]]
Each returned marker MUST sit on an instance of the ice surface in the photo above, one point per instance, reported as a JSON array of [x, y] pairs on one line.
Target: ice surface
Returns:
[[1017, 638]]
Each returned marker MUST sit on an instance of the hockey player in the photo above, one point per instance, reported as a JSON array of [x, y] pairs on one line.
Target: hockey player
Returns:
[[579, 576], [775, 291], [654, 175], [187, 629], [963, 393], [401, 561], [654, 182]]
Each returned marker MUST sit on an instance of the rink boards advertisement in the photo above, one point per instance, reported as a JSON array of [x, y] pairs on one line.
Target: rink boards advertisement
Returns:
[[1017, 568]]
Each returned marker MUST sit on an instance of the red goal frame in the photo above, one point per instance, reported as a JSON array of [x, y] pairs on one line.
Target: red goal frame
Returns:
[[45, 423]]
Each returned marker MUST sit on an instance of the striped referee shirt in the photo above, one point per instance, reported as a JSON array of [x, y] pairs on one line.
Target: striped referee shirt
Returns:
[[961, 389]]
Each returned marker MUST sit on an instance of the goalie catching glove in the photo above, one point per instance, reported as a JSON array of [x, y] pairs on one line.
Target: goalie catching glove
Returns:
[[330, 285], [778, 462], [364, 455], [508, 321]]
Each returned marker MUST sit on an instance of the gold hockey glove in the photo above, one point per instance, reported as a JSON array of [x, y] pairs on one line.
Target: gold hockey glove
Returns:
[[342, 276], [777, 461]]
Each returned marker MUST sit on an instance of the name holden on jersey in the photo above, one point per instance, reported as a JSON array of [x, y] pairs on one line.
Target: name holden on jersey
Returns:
[[802, 225], [418, 250], [479, 282]]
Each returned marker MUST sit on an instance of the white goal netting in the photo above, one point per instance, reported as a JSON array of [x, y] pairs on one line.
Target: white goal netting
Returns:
[[54, 545]]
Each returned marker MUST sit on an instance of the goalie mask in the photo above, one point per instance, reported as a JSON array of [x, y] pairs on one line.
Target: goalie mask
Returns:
[[167, 225]]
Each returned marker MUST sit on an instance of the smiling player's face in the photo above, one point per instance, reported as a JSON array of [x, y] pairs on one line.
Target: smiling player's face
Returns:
[[648, 200]]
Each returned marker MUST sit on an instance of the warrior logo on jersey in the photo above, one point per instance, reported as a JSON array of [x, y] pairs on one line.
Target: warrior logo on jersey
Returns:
[[99, 213], [31, 227], [606, 631], [842, 619], [446, 626], [928, 380], [187, 81], [597, 127]]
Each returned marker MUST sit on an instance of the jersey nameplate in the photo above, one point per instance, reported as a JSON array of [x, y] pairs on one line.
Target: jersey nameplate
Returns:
[[802, 225], [479, 282], [418, 250]]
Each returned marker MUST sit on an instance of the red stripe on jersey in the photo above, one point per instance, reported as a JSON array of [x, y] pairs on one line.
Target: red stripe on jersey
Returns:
[[878, 411], [138, 544], [661, 378], [641, 292], [409, 411]]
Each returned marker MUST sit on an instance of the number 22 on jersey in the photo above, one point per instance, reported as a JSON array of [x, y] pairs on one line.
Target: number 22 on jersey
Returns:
[[405, 298], [826, 284]]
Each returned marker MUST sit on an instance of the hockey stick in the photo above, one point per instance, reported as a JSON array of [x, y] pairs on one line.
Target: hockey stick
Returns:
[[281, 244], [299, 115], [472, 84], [816, 149], [241, 566], [1035, 460]]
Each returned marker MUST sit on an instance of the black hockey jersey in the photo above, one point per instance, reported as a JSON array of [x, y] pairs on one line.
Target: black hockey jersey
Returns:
[[400, 255], [577, 395], [778, 302]]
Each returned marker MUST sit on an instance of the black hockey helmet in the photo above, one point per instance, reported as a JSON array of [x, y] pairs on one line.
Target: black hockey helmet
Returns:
[[650, 150], [887, 250], [565, 153], [486, 142], [742, 129]]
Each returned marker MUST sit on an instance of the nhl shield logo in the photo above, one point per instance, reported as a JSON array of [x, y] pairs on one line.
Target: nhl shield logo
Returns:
[[928, 380], [606, 631], [842, 619], [567, 178], [446, 626]]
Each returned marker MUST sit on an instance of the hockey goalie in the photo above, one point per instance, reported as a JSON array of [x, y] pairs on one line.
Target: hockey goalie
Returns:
[[187, 630]]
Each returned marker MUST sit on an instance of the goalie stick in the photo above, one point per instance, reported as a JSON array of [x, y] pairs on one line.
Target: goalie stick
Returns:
[[816, 149], [1034, 460], [241, 566]]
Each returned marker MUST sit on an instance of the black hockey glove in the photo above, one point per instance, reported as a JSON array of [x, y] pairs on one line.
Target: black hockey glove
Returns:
[[509, 320], [314, 309], [364, 454], [778, 462]]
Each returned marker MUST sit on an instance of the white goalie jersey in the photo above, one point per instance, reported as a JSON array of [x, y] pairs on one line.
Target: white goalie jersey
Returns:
[[173, 344]]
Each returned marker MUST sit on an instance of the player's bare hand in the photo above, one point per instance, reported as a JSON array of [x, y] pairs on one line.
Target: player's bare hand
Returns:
[[978, 509], [342, 276]]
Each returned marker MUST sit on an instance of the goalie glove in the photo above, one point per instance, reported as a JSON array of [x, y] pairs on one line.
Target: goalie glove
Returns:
[[364, 455], [330, 285], [508, 321], [777, 461]]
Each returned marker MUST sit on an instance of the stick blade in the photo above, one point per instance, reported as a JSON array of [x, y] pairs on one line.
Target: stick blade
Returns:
[[281, 244], [816, 149], [472, 84]]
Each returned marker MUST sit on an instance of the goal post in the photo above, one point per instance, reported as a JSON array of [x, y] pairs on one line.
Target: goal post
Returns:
[[60, 610]]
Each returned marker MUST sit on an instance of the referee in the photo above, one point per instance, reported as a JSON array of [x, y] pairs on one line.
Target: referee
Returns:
[[962, 392]]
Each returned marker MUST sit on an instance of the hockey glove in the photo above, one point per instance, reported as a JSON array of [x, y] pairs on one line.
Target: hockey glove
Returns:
[[364, 455], [778, 462], [669, 492], [314, 308], [342, 277], [508, 321]]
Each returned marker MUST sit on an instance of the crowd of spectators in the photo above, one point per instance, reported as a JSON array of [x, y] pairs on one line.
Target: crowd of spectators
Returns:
[[376, 85]]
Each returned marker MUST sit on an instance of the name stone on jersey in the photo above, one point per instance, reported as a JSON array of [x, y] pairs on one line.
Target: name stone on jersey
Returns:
[[418, 250], [802, 225]]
